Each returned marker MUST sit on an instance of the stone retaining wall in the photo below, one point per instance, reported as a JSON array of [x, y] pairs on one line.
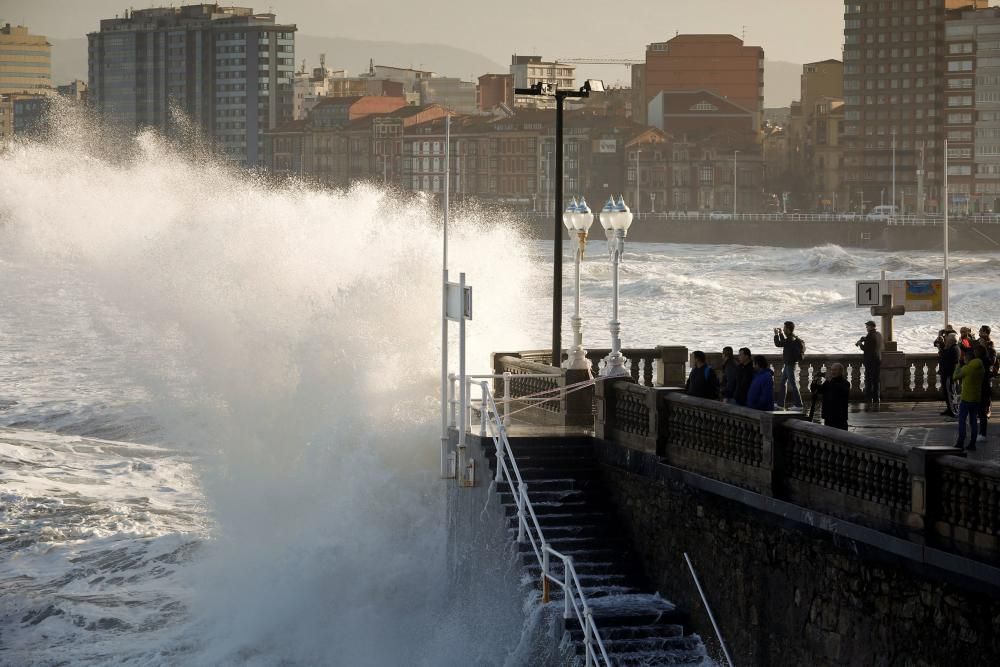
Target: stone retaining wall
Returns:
[[787, 594]]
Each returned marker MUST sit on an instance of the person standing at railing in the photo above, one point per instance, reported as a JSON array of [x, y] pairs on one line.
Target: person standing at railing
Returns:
[[761, 394], [871, 345], [948, 358], [702, 381], [836, 394], [730, 376], [793, 350], [745, 376], [989, 372], [971, 375]]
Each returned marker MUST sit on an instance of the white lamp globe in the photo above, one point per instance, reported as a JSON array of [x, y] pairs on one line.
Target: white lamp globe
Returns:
[[585, 217], [607, 214], [569, 215]]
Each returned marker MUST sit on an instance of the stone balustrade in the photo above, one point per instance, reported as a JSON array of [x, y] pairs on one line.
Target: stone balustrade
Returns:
[[905, 377], [930, 495]]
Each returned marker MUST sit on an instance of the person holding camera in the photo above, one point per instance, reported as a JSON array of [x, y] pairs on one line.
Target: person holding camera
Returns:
[[793, 349], [872, 345], [836, 395]]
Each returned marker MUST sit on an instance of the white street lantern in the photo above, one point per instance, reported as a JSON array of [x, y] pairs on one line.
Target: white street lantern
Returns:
[[578, 218], [616, 218]]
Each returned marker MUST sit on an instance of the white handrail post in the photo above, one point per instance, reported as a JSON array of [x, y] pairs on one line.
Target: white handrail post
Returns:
[[587, 638], [545, 572], [500, 454], [506, 398], [567, 590], [522, 498], [485, 390], [453, 399]]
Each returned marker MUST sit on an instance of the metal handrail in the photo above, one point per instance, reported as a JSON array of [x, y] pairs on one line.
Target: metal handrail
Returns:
[[575, 603], [711, 616], [505, 401]]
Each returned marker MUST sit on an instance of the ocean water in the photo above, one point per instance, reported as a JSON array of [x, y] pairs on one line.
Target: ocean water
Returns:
[[218, 397]]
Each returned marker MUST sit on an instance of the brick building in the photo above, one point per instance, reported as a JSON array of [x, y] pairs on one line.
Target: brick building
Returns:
[[722, 64]]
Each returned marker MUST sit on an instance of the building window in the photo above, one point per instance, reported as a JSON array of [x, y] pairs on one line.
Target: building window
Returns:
[[706, 175]]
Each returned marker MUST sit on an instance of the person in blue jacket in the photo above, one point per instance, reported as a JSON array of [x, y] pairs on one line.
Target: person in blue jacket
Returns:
[[761, 394]]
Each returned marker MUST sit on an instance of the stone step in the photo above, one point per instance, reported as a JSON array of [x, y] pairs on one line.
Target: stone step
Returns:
[[552, 497], [552, 534], [558, 464], [632, 632], [667, 648], [594, 569], [537, 473], [565, 519], [577, 508], [631, 610], [566, 483], [569, 545]]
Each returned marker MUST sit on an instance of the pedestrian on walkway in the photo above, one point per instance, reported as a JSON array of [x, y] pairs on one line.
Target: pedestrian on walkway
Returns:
[[966, 344], [971, 375], [730, 376], [793, 350], [871, 345], [836, 395], [948, 359], [761, 394], [702, 381], [990, 368], [745, 377]]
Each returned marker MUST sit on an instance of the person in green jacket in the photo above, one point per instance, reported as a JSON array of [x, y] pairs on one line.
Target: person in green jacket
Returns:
[[971, 375]]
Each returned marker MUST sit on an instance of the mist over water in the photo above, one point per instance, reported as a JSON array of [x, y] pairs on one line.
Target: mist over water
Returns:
[[282, 343], [218, 397]]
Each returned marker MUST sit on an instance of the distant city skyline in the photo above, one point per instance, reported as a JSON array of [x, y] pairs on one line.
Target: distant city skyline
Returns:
[[790, 30]]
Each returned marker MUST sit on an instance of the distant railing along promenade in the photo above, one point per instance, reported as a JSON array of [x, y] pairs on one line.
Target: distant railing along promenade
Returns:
[[902, 219]]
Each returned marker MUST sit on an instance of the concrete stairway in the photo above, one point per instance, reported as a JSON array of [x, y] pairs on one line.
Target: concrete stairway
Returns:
[[564, 486]]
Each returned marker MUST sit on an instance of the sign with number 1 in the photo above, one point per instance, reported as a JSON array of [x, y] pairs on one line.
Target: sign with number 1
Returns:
[[869, 293]]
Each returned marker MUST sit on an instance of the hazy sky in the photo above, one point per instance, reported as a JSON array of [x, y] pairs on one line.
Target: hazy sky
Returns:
[[793, 30]]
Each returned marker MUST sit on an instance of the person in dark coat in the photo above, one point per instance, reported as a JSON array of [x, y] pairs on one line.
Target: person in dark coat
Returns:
[[949, 355], [871, 345], [702, 381], [745, 378], [761, 394], [793, 349], [730, 375], [989, 372], [836, 395]]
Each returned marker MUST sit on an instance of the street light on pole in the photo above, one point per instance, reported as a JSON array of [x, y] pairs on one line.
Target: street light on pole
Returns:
[[578, 218], [735, 153], [615, 218], [544, 89]]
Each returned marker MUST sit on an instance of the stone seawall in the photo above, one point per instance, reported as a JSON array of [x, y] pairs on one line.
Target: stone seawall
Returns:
[[789, 593], [871, 235]]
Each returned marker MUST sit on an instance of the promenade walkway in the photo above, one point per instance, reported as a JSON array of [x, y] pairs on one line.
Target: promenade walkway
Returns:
[[918, 424]]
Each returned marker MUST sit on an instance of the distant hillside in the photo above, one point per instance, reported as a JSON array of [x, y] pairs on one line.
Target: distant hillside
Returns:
[[354, 54], [69, 57], [69, 61], [782, 83]]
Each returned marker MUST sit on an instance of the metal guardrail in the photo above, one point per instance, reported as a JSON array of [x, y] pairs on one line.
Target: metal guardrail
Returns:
[[904, 219], [711, 616], [528, 528]]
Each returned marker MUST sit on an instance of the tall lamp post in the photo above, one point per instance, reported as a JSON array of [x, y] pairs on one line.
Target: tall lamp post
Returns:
[[578, 218], [615, 218], [735, 153], [549, 90]]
